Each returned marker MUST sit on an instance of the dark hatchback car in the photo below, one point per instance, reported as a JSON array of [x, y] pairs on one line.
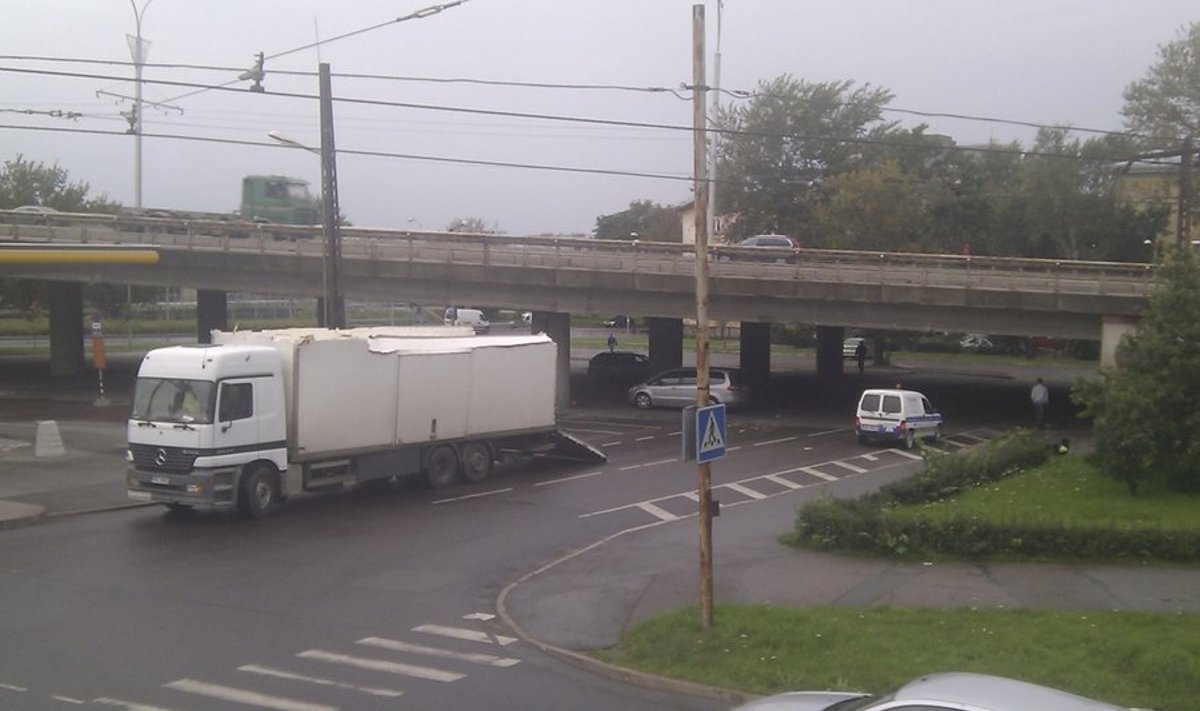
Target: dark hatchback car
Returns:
[[618, 367], [762, 248]]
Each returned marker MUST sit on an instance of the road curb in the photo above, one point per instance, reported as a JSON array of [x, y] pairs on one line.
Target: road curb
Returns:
[[595, 666], [14, 514]]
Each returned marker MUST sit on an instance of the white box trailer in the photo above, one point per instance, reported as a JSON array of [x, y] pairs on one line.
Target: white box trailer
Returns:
[[280, 411]]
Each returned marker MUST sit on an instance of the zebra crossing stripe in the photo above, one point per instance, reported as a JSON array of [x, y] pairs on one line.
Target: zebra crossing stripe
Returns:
[[849, 467], [745, 491], [127, 705], [290, 676], [418, 672], [818, 473], [241, 696], [657, 511], [396, 645], [910, 455], [785, 483], [466, 635]]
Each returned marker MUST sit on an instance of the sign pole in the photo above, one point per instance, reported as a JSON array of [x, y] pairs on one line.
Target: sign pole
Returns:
[[699, 171]]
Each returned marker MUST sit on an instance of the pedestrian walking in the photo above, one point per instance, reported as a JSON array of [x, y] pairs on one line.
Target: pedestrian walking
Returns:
[[1039, 395], [860, 354], [612, 342]]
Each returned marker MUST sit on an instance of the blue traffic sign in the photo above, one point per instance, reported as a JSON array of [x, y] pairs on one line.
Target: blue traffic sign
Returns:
[[710, 433]]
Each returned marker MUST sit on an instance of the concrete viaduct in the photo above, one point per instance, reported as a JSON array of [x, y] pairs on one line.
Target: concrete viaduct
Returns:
[[555, 278]]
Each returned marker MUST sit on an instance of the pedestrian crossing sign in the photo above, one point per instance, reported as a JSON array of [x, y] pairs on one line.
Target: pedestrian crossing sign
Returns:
[[710, 433]]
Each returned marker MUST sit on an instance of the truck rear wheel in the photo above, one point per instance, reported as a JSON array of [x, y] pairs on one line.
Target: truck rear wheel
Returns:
[[476, 462], [257, 492], [442, 467]]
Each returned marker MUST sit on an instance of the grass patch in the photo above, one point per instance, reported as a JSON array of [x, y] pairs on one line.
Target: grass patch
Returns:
[[1130, 658], [1067, 491]]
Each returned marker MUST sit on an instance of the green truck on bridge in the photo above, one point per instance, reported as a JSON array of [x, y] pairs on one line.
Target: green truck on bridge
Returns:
[[273, 199]]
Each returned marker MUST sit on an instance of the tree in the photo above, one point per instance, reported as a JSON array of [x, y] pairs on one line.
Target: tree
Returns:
[[785, 142], [1145, 417], [1165, 104], [644, 219], [874, 208], [24, 182]]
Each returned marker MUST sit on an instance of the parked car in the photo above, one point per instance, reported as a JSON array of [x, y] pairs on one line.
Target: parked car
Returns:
[[896, 416], [952, 690], [774, 248], [618, 367], [976, 342], [677, 388]]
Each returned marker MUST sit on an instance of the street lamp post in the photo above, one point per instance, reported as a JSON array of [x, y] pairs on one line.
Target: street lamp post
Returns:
[[138, 50]]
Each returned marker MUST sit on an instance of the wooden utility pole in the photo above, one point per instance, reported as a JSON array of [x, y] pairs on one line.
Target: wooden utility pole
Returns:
[[334, 306], [699, 172]]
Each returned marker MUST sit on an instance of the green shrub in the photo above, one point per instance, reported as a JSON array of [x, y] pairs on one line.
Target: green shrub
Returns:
[[891, 521]]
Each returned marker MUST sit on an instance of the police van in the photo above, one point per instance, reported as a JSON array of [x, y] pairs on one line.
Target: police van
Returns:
[[896, 415]]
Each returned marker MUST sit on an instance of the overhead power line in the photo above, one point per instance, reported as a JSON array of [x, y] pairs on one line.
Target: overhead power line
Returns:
[[854, 140]]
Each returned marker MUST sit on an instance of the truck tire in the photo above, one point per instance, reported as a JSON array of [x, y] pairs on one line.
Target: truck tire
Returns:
[[442, 467], [476, 462], [257, 492]]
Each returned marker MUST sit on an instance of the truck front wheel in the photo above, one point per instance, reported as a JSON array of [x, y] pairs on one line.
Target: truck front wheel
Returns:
[[442, 467], [257, 492]]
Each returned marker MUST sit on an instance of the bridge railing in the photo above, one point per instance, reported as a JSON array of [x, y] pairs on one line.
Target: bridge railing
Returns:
[[885, 269]]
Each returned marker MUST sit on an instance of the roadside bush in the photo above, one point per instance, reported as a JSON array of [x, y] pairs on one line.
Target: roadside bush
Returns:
[[885, 523]]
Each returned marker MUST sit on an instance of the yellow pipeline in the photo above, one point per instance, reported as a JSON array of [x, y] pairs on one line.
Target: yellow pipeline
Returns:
[[33, 255]]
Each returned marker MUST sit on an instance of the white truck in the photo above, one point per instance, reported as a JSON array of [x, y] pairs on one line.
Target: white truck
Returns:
[[259, 415]]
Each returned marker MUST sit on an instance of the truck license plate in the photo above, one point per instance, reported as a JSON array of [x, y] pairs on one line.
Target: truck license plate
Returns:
[[161, 480]]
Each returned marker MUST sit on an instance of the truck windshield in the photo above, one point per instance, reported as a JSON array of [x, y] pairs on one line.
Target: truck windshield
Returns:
[[173, 400]]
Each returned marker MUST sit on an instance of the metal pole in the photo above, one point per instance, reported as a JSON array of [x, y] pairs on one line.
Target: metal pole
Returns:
[[335, 304], [1183, 227], [716, 139], [139, 57], [699, 164]]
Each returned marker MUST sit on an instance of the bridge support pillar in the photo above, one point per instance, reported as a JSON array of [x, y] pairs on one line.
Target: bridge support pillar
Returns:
[[558, 327], [211, 313], [829, 350], [666, 343], [1112, 330], [66, 328], [755, 359]]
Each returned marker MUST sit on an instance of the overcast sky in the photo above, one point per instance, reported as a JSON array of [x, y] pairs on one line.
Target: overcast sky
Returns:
[[1042, 61]]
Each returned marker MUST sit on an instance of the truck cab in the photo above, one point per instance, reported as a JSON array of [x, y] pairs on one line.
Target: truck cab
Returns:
[[204, 418]]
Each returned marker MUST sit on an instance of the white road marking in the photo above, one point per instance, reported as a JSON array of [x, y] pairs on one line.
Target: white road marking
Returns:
[[482, 616], [472, 496], [745, 490], [68, 700], [611, 444], [418, 672], [733, 449], [781, 440], [826, 432], [869, 457], [10, 687], [396, 645], [466, 635], [281, 674], [647, 438], [648, 464], [910, 455], [567, 478], [656, 511], [785, 483], [818, 473], [848, 466], [127, 705], [241, 696]]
